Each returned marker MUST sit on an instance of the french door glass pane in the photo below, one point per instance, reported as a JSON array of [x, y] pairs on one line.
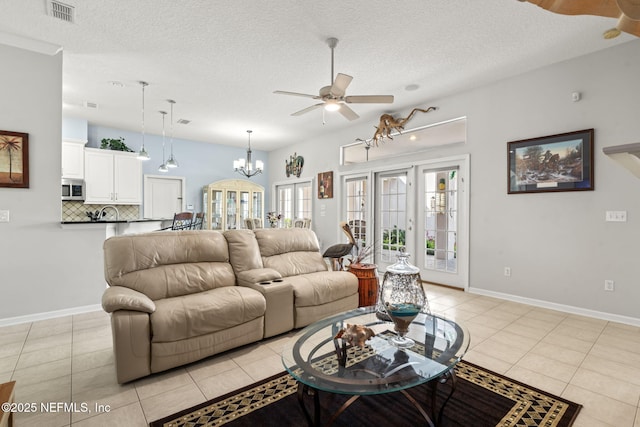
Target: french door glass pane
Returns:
[[356, 203], [392, 215], [441, 216], [303, 200]]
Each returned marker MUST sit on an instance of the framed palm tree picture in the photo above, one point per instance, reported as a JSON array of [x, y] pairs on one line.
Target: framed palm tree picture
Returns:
[[14, 159]]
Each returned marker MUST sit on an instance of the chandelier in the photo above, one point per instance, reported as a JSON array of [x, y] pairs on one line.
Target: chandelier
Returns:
[[245, 167], [142, 154]]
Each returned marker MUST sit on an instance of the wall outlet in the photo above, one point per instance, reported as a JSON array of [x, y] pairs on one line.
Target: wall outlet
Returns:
[[507, 271], [609, 285], [4, 216]]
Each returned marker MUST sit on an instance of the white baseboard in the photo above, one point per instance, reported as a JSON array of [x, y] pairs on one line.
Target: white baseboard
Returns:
[[559, 307], [49, 315]]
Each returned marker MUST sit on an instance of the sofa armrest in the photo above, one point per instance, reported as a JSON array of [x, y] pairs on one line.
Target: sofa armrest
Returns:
[[131, 344], [257, 275], [121, 298], [278, 293]]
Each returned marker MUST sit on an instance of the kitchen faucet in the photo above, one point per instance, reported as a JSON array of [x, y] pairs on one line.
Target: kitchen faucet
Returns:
[[101, 213]]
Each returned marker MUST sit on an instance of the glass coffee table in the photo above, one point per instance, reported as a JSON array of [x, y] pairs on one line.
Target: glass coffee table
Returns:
[[378, 367]]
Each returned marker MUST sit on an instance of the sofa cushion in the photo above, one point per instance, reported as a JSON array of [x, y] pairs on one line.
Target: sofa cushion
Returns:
[[323, 287], [193, 315], [163, 265], [244, 253], [290, 251]]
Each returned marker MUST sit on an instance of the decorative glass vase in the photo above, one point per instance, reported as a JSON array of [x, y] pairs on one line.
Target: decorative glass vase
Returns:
[[402, 298]]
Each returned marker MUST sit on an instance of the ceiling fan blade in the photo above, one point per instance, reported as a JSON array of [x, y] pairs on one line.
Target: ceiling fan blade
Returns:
[[369, 99], [630, 8], [347, 112], [306, 110], [283, 92], [629, 26], [608, 8], [340, 84]]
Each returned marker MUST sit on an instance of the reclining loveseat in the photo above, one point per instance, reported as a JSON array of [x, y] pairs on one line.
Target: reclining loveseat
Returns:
[[180, 296]]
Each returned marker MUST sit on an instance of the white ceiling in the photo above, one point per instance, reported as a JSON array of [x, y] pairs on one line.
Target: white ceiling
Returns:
[[222, 60]]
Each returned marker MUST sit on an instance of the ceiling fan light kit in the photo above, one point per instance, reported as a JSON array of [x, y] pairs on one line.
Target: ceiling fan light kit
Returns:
[[333, 96]]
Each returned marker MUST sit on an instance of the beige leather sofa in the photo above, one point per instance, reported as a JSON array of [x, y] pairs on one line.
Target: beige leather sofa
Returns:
[[177, 297]]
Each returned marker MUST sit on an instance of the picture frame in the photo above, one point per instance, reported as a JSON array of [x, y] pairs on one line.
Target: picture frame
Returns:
[[562, 162], [325, 185], [14, 159]]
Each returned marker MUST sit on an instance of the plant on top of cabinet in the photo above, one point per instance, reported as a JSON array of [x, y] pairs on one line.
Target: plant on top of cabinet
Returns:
[[116, 144]]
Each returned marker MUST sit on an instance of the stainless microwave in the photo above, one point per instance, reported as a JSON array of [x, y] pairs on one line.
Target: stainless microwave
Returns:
[[72, 189]]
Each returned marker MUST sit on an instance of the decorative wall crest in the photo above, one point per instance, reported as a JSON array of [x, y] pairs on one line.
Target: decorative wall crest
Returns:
[[294, 165]]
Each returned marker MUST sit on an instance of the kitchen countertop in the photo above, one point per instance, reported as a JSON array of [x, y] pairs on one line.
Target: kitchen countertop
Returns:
[[120, 221]]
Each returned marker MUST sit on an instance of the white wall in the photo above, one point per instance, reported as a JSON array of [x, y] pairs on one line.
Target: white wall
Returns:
[[43, 268], [558, 245]]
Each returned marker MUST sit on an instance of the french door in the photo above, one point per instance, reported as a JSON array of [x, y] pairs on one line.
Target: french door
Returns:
[[441, 229], [293, 201], [393, 222], [424, 209]]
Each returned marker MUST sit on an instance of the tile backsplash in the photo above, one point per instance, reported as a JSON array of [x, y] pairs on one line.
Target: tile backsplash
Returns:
[[77, 211]]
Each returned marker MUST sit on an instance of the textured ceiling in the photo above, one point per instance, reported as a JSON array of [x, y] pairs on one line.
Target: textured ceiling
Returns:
[[221, 61]]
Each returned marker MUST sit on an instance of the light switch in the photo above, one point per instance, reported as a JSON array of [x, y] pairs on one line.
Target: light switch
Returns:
[[4, 216]]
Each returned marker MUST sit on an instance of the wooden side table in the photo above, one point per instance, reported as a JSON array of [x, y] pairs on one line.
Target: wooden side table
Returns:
[[6, 396], [367, 275]]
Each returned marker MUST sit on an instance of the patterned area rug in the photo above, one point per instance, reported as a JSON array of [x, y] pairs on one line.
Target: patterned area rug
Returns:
[[482, 398]]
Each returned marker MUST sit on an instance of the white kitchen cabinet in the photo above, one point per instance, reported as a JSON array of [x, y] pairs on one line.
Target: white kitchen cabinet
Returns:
[[73, 159], [112, 177]]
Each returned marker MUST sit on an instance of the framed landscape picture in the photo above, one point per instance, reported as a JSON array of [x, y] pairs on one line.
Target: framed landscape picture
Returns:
[[14, 159], [562, 162]]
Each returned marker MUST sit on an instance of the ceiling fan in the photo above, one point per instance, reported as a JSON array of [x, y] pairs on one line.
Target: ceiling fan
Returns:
[[333, 96], [627, 12]]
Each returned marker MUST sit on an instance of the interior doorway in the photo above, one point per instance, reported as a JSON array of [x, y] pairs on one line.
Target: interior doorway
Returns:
[[163, 196]]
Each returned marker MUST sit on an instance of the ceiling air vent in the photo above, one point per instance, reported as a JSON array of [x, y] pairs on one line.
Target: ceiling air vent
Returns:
[[89, 104], [183, 121], [62, 11]]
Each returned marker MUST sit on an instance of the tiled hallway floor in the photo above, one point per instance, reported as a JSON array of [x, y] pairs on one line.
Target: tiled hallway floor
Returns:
[[589, 361]]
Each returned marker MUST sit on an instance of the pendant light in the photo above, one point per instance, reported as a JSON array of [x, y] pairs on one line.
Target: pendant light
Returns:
[[172, 162], [142, 154], [163, 166], [245, 167]]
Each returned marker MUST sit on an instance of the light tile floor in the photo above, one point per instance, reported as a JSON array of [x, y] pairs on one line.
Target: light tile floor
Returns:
[[69, 360]]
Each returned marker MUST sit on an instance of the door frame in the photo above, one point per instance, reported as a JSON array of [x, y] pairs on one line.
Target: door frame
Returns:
[[147, 190]]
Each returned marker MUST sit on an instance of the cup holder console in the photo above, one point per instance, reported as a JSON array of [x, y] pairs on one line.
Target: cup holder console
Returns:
[[268, 282]]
